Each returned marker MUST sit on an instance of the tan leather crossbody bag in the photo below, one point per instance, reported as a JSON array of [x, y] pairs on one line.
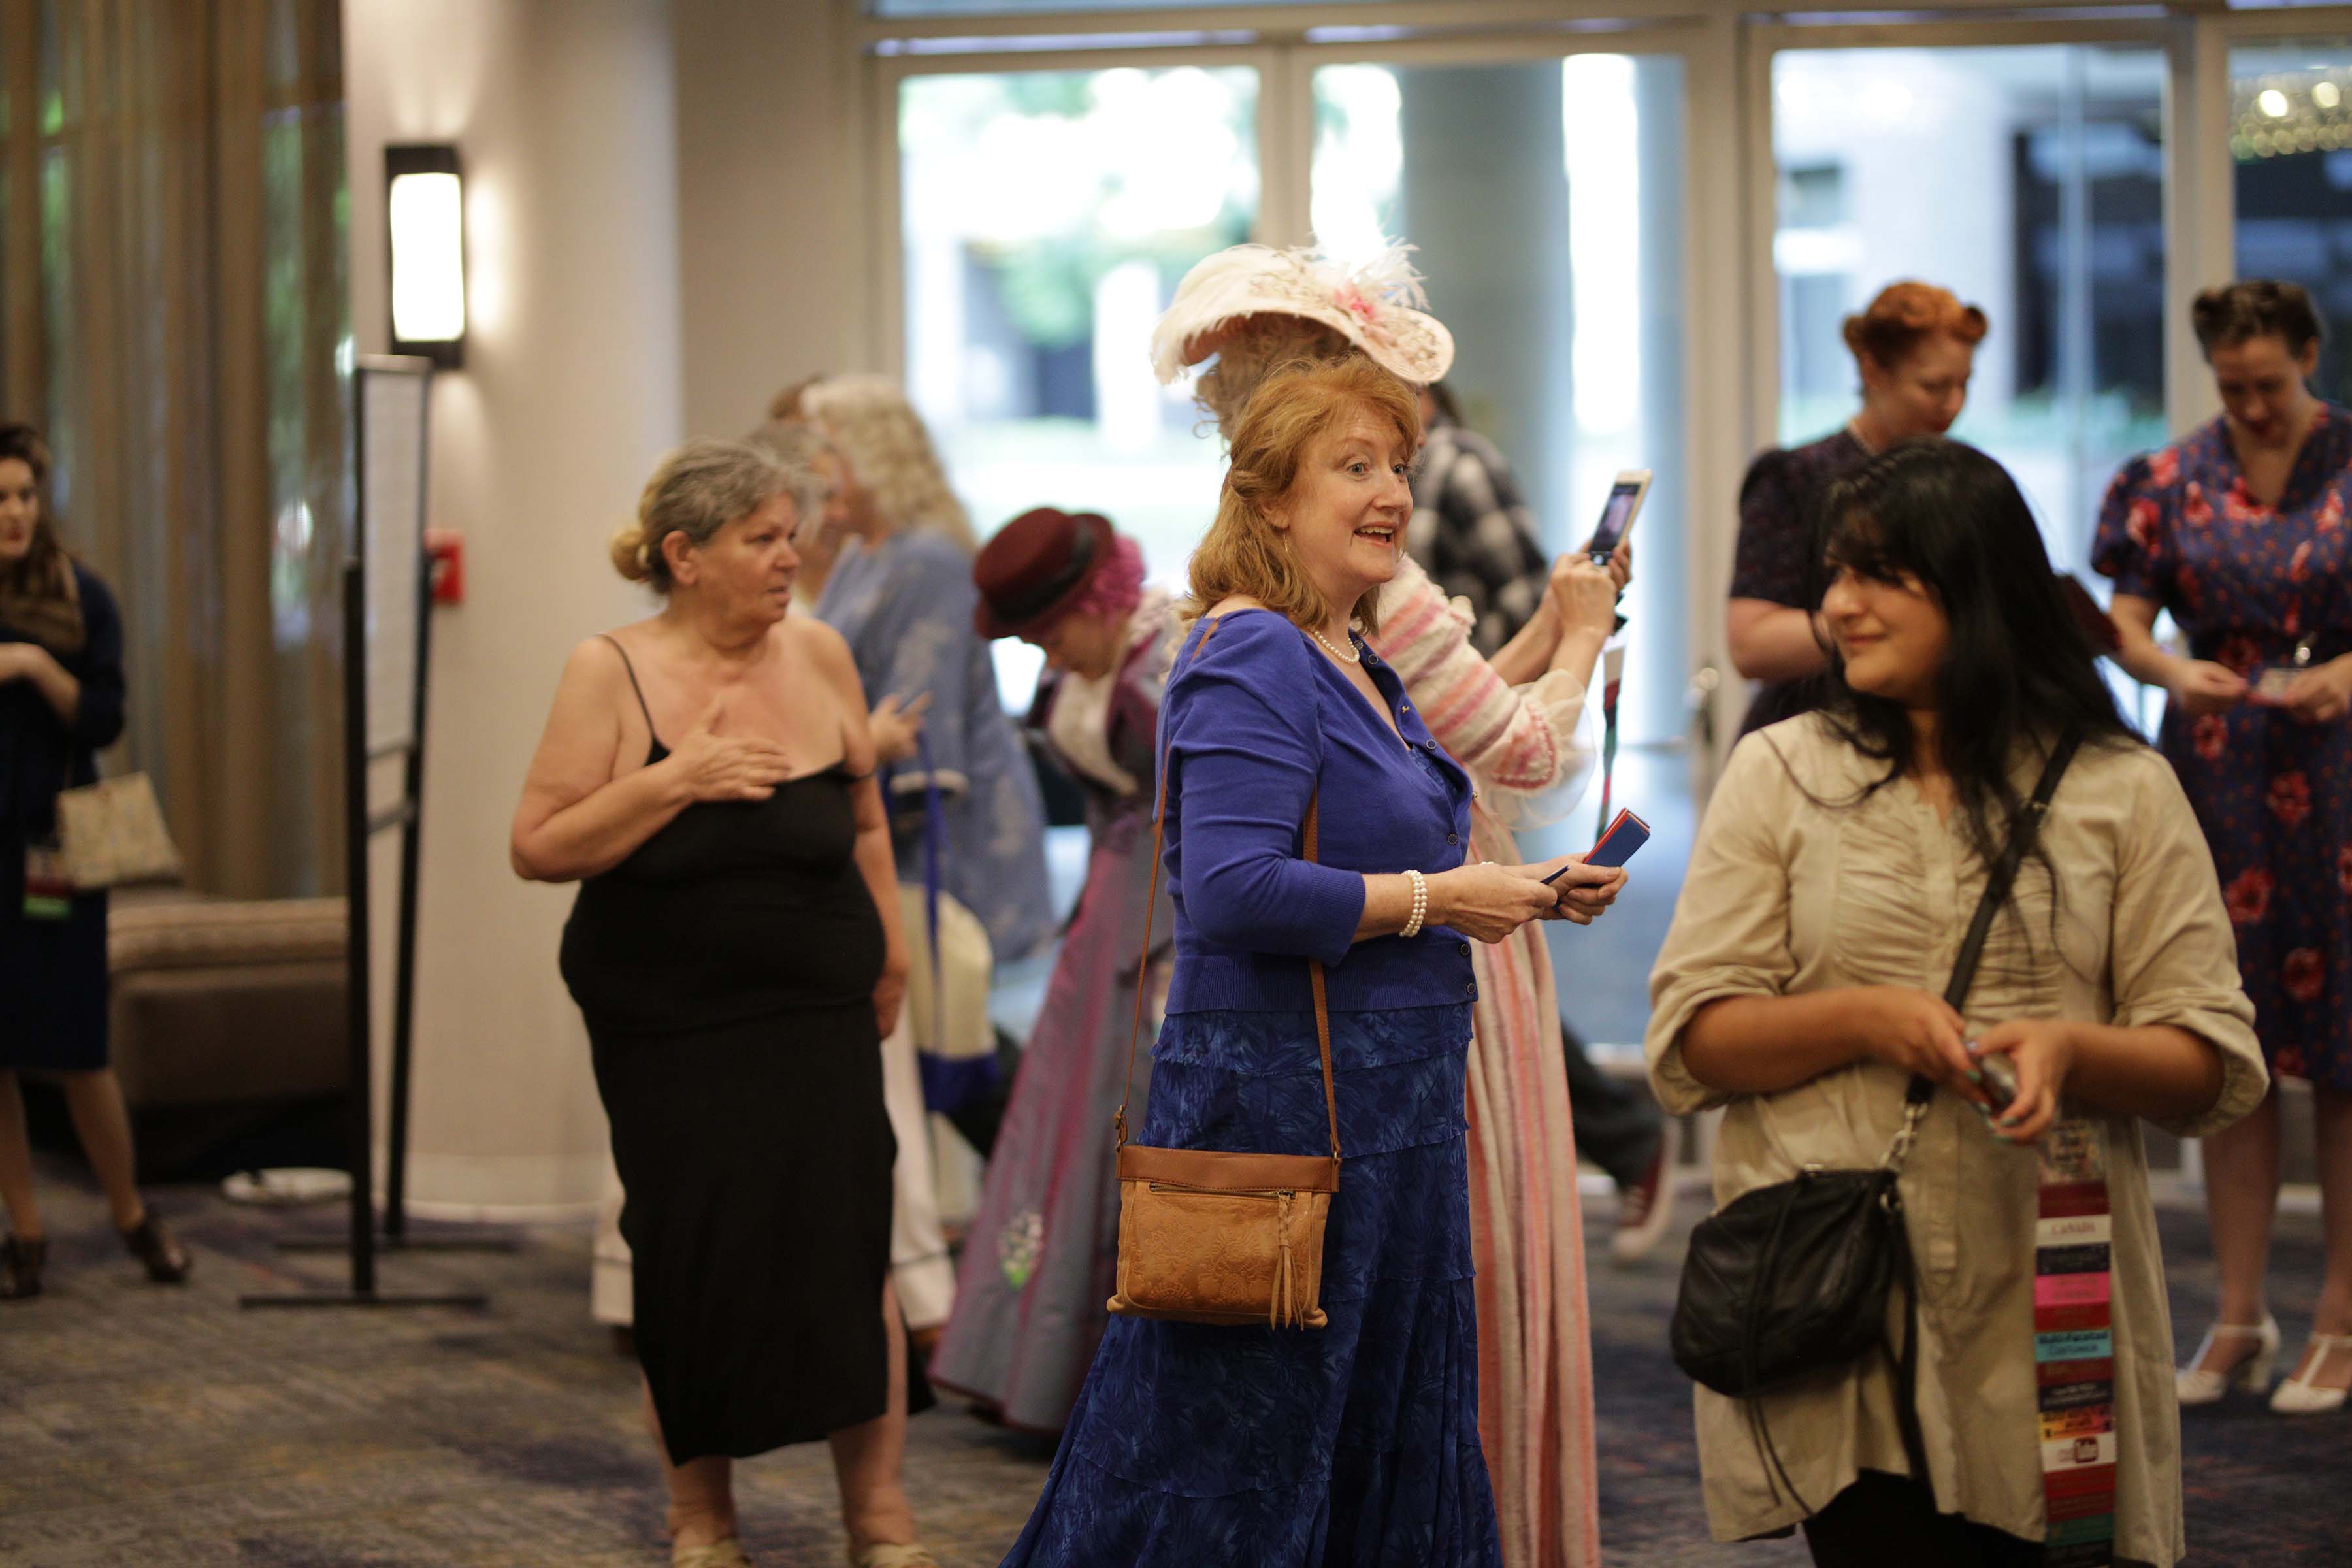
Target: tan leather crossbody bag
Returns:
[[1206, 1236]]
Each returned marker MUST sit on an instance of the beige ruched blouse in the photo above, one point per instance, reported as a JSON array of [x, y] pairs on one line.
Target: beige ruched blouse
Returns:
[[1791, 888]]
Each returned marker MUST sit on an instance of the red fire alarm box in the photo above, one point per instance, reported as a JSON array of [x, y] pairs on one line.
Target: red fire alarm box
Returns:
[[446, 548]]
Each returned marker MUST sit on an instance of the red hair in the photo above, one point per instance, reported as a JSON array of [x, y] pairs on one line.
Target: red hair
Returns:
[[1905, 315]]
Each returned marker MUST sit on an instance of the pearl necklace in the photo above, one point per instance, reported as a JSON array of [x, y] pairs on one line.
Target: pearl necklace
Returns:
[[1345, 656]]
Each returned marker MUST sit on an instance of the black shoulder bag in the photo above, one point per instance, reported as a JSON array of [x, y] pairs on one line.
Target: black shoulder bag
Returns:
[[1791, 1280]]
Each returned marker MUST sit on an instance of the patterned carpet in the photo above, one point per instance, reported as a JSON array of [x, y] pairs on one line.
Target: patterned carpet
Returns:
[[147, 1426]]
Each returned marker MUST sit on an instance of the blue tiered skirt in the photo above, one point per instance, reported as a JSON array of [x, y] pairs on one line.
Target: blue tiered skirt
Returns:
[[1355, 1445]]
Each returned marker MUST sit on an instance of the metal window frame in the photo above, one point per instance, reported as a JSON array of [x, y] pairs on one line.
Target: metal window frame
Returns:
[[1731, 386], [1717, 437]]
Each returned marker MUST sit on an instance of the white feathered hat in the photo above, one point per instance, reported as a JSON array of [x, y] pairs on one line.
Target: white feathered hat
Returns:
[[1379, 307]]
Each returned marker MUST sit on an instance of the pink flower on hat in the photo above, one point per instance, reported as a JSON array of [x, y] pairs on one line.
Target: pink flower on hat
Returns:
[[1366, 311]]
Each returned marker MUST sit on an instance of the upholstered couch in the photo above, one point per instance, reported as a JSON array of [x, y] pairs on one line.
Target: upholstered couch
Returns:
[[227, 1023]]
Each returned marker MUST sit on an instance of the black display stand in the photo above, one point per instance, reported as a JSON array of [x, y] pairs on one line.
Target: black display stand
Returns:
[[361, 823]]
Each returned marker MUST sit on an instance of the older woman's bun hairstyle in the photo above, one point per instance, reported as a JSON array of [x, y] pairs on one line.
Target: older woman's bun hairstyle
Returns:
[[696, 490], [1905, 315], [629, 554]]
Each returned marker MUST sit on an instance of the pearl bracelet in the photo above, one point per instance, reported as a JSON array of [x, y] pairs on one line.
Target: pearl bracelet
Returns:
[[1420, 904]]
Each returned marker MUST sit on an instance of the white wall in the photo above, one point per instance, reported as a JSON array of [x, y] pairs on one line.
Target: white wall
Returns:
[[772, 255], [563, 112]]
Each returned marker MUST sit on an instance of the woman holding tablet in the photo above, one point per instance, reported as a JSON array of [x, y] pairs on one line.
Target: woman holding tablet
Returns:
[[1517, 722], [1353, 1444]]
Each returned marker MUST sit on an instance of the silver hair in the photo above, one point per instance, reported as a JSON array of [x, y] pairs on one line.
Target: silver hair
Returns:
[[696, 490]]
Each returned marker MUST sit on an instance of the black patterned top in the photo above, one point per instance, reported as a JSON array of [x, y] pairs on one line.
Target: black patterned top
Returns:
[[1779, 503], [1473, 532]]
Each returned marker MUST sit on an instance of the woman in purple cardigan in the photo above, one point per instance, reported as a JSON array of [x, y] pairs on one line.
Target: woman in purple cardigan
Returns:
[[1196, 1447]]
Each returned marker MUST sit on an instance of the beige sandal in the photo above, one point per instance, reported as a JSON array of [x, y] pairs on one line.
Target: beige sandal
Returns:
[[727, 1553], [885, 1555], [2299, 1395]]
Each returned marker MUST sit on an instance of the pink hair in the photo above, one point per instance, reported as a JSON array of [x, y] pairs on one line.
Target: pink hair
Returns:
[[1117, 584]]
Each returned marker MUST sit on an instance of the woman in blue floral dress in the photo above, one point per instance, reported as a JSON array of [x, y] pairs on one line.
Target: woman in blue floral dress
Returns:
[[2240, 531], [1354, 1446]]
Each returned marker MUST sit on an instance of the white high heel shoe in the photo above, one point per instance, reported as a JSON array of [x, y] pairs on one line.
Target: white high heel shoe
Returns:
[[2198, 1384], [2298, 1396]]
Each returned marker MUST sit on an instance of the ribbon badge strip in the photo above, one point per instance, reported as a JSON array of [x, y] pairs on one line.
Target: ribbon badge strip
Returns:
[[2073, 1348]]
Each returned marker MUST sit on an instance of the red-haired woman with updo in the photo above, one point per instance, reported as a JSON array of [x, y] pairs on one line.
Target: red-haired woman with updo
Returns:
[[1915, 346]]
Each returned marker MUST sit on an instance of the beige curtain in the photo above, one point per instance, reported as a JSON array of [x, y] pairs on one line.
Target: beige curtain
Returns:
[[173, 313]]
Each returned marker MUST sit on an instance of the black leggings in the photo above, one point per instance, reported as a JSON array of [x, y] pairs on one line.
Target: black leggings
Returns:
[[1882, 1519]]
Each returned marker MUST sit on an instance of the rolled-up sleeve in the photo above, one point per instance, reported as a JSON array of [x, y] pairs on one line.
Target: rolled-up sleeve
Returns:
[[2173, 957], [1730, 930], [1245, 748]]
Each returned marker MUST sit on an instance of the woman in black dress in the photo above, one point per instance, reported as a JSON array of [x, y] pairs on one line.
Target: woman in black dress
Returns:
[[1915, 348], [706, 776], [60, 701]]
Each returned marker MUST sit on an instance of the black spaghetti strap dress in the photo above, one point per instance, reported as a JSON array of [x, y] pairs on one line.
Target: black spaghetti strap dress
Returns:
[[726, 970]]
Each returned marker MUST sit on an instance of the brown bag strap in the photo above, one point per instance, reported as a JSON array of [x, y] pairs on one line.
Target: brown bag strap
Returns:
[[1143, 964]]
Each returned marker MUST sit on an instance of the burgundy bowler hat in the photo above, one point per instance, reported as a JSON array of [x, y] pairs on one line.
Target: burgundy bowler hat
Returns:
[[1035, 565]]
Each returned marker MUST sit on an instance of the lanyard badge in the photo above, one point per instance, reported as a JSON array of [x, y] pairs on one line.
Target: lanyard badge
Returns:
[[2277, 680], [49, 890], [2075, 1347]]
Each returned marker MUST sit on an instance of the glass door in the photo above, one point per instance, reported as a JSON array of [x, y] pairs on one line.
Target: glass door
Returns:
[[1046, 218], [2046, 209], [2291, 141], [1545, 198]]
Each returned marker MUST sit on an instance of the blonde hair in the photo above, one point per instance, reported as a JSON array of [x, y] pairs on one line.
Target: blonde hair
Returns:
[[878, 431], [696, 490], [1243, 551]]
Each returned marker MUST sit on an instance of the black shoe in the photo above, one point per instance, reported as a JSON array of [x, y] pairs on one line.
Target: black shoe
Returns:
[[20, 1267], [167, 1261]]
